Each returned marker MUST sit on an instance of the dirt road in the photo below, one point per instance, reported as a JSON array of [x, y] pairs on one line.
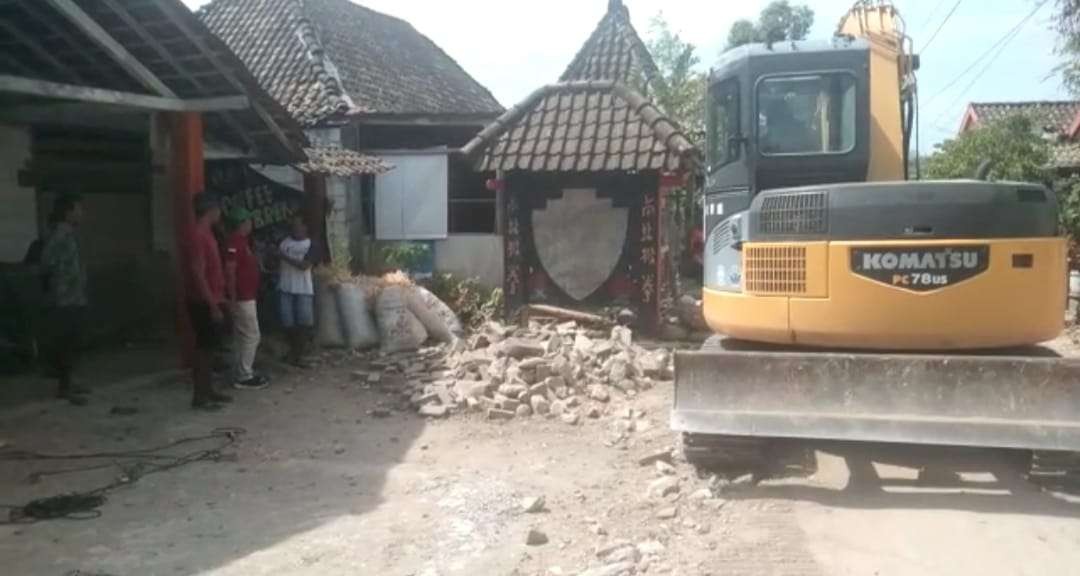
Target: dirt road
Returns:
[[321, 484]]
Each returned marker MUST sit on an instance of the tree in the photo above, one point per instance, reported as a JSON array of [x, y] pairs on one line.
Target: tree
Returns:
[[1067, 24], [680, 93], [778, 22], [742, 32], [680, 89], [1015, 149]]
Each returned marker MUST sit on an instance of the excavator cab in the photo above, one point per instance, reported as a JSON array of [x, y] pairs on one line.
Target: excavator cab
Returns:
[[784, 115]]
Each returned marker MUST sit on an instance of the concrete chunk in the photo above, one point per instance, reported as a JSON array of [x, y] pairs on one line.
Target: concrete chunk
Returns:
[[540, 405], [520, 349], [532, 504], [663, 486], [536, 537], [497, 414], [434, 410]]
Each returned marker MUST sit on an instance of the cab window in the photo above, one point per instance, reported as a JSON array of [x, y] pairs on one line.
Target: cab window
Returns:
[[724, 124], [807, 114]]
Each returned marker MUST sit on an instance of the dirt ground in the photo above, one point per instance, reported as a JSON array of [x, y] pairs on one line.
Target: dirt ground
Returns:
[[324, 481]]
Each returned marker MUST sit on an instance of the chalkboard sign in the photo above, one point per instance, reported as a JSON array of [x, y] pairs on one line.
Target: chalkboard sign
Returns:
[[271, 204]]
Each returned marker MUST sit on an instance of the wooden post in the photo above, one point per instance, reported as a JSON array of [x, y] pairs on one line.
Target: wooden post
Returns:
[[315, 216], [662, 251], [188, 179]]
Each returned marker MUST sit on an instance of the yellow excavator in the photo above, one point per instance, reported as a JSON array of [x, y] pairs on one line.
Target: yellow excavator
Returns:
[[854, 303]]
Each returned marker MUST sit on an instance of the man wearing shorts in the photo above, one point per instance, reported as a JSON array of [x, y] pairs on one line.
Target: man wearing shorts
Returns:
[[205, 301], [297, 291]]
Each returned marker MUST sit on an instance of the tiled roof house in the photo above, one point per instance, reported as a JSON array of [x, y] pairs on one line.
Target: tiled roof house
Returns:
[[366, 82], [326, 60], [1057, 121]]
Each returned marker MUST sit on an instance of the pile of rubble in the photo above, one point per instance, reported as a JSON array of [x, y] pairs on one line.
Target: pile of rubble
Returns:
[[560, 371]]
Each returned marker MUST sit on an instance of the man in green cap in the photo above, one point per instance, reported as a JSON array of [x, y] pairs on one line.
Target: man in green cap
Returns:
[[242, 292]]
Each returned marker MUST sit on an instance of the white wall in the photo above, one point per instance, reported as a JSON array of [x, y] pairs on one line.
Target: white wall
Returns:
[[472, 256], [18, 207]]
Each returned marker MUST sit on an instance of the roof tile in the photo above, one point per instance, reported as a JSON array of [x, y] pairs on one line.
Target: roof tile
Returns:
[[341, 162], [614, 51], [1056, 116], [630, 143], [327, 58]]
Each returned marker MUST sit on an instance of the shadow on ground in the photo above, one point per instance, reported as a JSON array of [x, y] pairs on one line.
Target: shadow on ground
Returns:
[[24, 381], [880, 476], [310, 464]]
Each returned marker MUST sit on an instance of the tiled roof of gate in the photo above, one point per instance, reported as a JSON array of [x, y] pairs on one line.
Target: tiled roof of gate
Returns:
[[591, 126], [614, 51], [594, 119]]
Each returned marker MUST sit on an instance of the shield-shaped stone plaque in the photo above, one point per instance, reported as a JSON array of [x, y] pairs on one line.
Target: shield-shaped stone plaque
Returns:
[[579, 239]]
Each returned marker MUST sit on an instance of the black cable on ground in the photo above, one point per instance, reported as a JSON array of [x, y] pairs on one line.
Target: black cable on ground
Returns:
[[85, 505]]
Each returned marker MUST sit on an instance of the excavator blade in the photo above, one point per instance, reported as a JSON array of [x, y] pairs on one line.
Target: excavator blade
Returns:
[[993, 401]]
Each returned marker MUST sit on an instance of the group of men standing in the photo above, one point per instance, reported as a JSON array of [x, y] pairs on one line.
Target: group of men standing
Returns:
[[221, 283]]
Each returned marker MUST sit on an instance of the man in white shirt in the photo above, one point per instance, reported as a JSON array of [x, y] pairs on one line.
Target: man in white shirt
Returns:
[[297, 291]]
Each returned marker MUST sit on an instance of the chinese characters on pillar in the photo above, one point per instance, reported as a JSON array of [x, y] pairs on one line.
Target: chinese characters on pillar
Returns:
[[649, 235], [513, 281]]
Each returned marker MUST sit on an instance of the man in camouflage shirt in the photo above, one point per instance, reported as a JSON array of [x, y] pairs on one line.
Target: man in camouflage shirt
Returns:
[[65, 295]]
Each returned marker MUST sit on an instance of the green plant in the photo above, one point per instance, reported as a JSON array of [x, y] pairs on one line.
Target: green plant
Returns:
[[1068, 195], [680, 87], [473, 303], [777, 22], [1012, 144], [403, 255]]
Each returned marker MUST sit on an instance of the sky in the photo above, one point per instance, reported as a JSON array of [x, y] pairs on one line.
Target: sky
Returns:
[[514, 46]]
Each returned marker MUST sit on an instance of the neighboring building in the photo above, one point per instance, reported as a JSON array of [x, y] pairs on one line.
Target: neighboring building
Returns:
[[113, 101], [366, 81], [1057, 121], [584, 166]]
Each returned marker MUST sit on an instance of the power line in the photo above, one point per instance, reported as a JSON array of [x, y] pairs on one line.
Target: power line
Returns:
[[1004, 43], [1003, 40], [940, 26], [930, 17], [978, 75]]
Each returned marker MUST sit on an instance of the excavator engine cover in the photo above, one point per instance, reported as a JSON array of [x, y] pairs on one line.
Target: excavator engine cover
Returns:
[[932, 266]]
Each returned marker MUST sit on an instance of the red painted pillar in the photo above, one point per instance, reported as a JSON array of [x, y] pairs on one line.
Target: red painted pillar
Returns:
[[668, 182], [187, 179], [662, 251]]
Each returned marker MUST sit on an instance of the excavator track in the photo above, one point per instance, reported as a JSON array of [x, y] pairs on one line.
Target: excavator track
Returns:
[[719, 453], [1055, 470]]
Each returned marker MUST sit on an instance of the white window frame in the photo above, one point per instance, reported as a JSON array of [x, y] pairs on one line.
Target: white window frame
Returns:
[[411, 201]]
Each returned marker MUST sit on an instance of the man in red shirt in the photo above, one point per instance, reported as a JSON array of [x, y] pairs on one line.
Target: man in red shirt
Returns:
[[242, 290], [205, 299]]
